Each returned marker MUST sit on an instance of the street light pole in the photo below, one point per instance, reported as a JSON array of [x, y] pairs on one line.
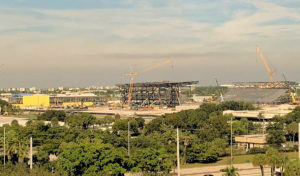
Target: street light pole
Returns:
[[178, 156], [231, 141], [128, 138], [31, 153], [4, 147]]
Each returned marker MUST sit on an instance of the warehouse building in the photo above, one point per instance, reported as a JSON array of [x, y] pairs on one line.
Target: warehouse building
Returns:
[[30, 100], [57, 100], [76, 100]]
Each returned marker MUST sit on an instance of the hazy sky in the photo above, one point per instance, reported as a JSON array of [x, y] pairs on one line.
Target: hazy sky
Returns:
[[47, 43]]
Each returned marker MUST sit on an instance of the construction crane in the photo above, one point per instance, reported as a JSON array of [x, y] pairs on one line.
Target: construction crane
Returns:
[[270, 72], [221, 95], [133, 74], [293, 99]]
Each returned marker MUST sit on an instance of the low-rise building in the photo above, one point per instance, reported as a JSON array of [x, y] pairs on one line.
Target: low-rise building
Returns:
[[246, 142]]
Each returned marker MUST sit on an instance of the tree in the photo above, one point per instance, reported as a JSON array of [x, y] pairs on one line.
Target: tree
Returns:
[[117, 117], [50, 114], [275, 160], [107, 120], [236, 105], [276, 134], [81, 120], [293, 116], [16, 145], [7, 107], [54, 122], [92, 159], [260, 160], [141, 122], [206, 152], [154, 125], [210, 108], [122, 125], [239, 128], [151, 160], [292, 129], [292, 168], [230, 171]]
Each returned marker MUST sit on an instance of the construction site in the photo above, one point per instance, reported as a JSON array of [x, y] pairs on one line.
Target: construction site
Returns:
[[157, 98], [264, 93]]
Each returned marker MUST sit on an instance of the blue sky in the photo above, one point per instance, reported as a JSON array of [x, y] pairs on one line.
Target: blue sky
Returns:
[[94, 42]]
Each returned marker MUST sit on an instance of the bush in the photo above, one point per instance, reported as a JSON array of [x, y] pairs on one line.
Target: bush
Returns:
[[257, 150], [289, 149], [48, 115]]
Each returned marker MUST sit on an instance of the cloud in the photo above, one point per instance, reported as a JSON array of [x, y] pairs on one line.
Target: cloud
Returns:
[[204, 34]]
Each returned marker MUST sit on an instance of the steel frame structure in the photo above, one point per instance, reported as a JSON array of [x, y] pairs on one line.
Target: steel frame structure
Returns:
[[153, 93]]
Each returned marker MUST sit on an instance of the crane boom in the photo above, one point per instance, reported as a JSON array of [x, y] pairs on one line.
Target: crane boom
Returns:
[[155, 66], [133, 74], [271, 73]]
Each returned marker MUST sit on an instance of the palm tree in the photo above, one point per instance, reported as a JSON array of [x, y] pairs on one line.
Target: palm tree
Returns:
[[260, 160], [275, 160], [16, 146], [11, 144], [292, 129], [230, 171], [23, 150]]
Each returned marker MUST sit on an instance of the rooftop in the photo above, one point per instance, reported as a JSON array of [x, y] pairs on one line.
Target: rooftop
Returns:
[[160, 84]]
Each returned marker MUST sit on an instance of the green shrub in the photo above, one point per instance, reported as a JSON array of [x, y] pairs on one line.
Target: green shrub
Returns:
[[257, 150]]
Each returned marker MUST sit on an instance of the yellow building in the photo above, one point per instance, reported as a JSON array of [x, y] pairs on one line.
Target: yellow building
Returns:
[[36, 100]]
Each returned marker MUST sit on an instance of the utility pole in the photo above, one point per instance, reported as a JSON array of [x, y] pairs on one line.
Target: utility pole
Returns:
[[128, 138], [263, 125], [178, 156], [30, 152], [231, 142], [299, 140], [4, 147]]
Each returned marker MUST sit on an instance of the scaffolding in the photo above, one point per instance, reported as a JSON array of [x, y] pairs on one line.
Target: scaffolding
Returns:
[[151, 94]]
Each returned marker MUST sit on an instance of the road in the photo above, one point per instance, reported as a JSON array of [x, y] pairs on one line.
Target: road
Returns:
[[244, 170]]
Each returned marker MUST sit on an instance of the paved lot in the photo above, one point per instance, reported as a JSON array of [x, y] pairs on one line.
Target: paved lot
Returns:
[[21, 121], [8, 120]]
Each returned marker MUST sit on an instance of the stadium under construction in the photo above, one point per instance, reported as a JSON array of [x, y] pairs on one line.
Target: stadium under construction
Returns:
[[151, 94], [261, 92]]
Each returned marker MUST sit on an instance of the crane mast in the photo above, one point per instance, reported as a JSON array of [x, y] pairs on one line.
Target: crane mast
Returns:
[[133, 74], [270, 72], [221, 95], [293, 99]]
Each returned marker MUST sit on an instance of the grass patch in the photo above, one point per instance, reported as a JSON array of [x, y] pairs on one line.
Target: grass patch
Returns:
[[27, 116]]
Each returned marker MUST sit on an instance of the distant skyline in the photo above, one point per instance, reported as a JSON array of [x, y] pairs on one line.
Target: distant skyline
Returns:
[[78, 43]]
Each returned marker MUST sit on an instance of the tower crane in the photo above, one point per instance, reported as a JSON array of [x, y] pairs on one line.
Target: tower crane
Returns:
[[221, 95], [270, 72], [132, 75], [293, 99]]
